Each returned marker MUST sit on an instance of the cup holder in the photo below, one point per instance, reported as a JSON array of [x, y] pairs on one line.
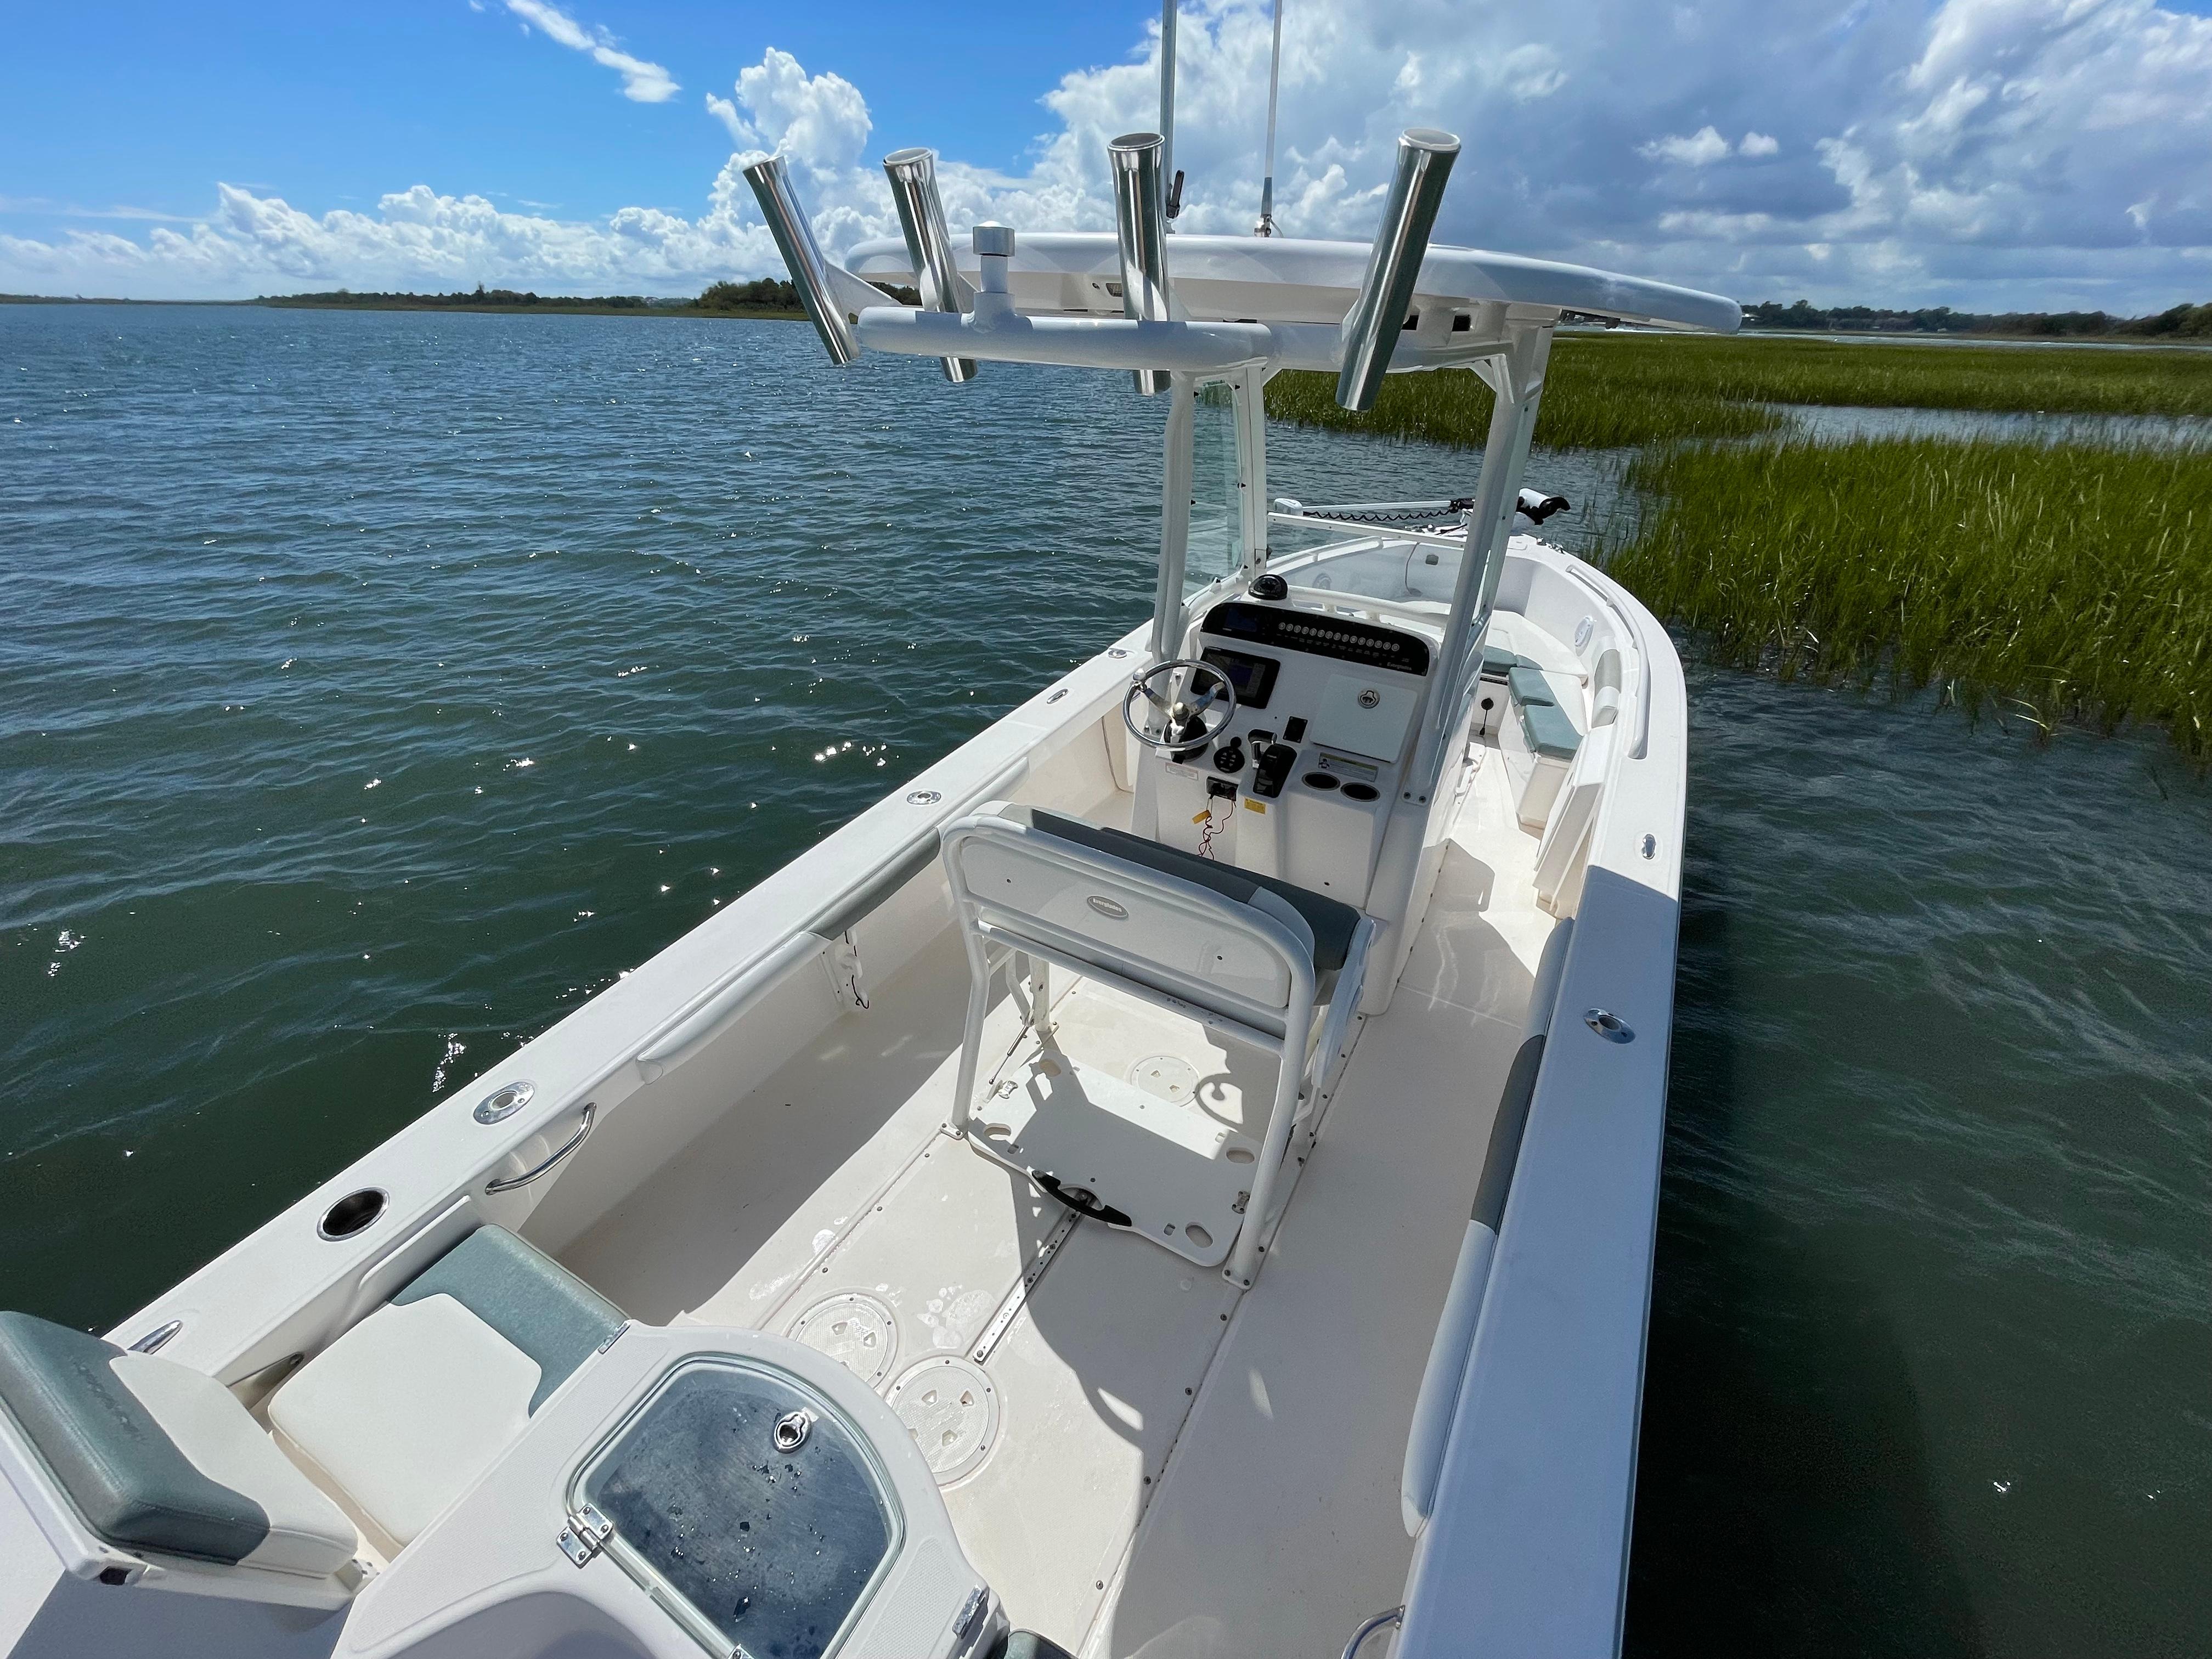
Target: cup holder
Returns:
[[351, 1213], [1321, 781], [1360, 791]]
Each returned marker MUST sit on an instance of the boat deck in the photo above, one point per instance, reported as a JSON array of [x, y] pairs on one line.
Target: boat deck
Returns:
[[1143, 1461]]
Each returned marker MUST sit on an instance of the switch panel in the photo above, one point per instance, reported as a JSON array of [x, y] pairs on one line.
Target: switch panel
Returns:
[[1364, 714]]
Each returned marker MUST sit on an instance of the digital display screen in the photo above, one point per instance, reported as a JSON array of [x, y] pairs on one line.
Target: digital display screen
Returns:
[[1321, 636], [1253, 677]]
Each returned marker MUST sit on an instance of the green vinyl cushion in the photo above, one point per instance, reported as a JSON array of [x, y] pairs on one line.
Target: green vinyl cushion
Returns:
[[132, 1483], [1332, 921], [1529, 685], [1549, 730], [526, 1296], [1498, 662]]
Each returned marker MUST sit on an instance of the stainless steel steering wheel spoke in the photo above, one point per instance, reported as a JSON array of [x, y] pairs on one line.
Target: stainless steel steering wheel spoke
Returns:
[[1199, 694]]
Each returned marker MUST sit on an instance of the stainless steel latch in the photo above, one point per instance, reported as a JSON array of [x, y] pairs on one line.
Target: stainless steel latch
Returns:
[[586, 1534]]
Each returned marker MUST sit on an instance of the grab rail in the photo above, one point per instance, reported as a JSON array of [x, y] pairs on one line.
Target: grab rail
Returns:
[[1430, 612], [1380, 1621], [584, 1133], [689, 1034]]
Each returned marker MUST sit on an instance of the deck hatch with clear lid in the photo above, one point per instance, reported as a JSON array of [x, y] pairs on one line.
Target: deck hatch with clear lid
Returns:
[[749, 1505]]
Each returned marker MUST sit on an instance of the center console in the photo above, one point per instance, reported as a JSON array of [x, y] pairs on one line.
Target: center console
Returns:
[[1301, 782]]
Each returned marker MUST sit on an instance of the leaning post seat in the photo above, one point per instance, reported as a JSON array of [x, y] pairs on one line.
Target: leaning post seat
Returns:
[[160, 1459], [1277, 967], [402, 1414]]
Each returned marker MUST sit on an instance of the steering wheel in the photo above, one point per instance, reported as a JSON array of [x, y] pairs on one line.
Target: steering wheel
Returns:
[[1184, 716]]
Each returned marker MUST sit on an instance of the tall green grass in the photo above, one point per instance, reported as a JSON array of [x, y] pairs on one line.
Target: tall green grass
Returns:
[[1588, 403], [2070, 380], [1606, 391], [2061, 581]]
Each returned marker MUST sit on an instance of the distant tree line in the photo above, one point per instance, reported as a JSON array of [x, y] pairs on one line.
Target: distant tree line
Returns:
[[481, 298], [765, 296], [2181, 322]]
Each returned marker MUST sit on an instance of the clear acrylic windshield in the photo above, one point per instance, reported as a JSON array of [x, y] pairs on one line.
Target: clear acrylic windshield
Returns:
[[1216, 513]]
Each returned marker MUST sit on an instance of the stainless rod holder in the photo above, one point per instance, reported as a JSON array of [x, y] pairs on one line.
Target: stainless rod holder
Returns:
[[810, 271], [913, 173], [1401, 240], [1141, 229]]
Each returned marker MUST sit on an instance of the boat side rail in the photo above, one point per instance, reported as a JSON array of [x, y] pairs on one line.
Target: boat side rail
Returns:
[[1527, 1536], [269, 1298]]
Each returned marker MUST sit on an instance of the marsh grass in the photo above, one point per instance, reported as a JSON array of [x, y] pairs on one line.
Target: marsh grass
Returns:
[[1586, 406], [2059, 581], [1613, 391]]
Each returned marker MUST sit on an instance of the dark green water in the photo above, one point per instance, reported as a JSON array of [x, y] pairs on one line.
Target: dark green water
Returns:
[[292, 597]]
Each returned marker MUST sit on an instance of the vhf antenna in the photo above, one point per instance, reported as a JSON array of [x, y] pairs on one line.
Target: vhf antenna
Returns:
[[1267, 225], [1167, 112]]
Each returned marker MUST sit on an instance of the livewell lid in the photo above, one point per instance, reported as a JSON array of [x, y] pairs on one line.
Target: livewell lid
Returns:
[[775, 1545]]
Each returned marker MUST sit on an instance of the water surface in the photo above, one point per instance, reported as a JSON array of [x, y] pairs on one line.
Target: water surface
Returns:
[[381, 685]]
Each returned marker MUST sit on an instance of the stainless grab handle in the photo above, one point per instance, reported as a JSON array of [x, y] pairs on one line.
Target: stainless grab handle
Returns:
[[584, 1133], [1380, 1621]]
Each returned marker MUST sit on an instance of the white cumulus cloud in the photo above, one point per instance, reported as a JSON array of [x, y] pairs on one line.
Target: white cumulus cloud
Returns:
[[1701, 149], [647, 83], [1991, 154]]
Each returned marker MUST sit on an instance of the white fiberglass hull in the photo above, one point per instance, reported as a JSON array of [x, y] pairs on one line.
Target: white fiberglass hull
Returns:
[[1168, 1464]]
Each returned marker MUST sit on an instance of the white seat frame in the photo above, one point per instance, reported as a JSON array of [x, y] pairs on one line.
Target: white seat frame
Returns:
[[997, 929]]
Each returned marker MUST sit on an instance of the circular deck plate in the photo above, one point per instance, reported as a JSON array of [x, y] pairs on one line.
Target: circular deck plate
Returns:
[[951, 1409], [1165, 1077], [856, 1330]]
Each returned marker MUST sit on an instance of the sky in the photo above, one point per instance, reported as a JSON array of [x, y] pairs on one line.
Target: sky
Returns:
[[1989, 155]]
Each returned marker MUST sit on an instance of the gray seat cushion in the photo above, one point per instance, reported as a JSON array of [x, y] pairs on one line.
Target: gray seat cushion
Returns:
[[131, 1482], [526, 1296], [1549, 730], [1331, 921], [1498, 662], [1529, 684]]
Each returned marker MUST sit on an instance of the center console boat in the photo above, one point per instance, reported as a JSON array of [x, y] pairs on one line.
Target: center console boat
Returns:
[[1176, 1177]]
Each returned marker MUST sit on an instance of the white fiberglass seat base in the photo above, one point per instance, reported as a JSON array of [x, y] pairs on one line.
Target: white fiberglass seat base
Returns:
[[1268, 966]]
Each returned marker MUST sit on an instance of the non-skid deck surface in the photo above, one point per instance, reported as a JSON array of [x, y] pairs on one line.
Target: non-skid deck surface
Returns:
[[1144, 1463], [1134, 1106]]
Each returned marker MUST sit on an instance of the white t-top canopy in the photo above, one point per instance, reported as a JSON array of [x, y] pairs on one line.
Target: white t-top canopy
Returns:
[[1295, 280]]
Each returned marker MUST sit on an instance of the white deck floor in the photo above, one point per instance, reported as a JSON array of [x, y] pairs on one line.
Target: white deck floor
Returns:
[[1171, 1468]]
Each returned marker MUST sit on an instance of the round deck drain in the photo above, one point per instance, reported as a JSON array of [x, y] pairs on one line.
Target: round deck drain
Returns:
[[856, 1330], [952, 1411], [1165, 1077]]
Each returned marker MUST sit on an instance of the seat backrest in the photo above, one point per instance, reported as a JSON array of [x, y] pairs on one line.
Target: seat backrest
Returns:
[[1249, 958], [155, 1456]]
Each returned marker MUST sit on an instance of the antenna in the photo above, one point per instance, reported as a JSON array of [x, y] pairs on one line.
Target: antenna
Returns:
[[1267, 225], [1167, 109]]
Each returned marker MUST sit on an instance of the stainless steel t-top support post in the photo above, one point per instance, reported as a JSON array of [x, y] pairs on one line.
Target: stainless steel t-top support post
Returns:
[[1371, 326], [810, 271], [1141, 229], [913, 173]]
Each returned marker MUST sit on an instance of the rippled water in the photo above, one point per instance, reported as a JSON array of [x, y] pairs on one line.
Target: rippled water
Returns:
[[378, 686], [1842, 423]]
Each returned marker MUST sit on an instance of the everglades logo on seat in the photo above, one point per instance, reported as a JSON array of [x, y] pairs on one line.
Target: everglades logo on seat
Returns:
[[1111, 909], [1370, 698]]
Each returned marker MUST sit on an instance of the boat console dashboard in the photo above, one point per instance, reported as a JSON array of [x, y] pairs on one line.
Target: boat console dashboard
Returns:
[[1301, 782]]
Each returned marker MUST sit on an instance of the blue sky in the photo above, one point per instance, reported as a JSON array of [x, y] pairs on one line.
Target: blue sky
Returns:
[[147, 105], [1993, 154]]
